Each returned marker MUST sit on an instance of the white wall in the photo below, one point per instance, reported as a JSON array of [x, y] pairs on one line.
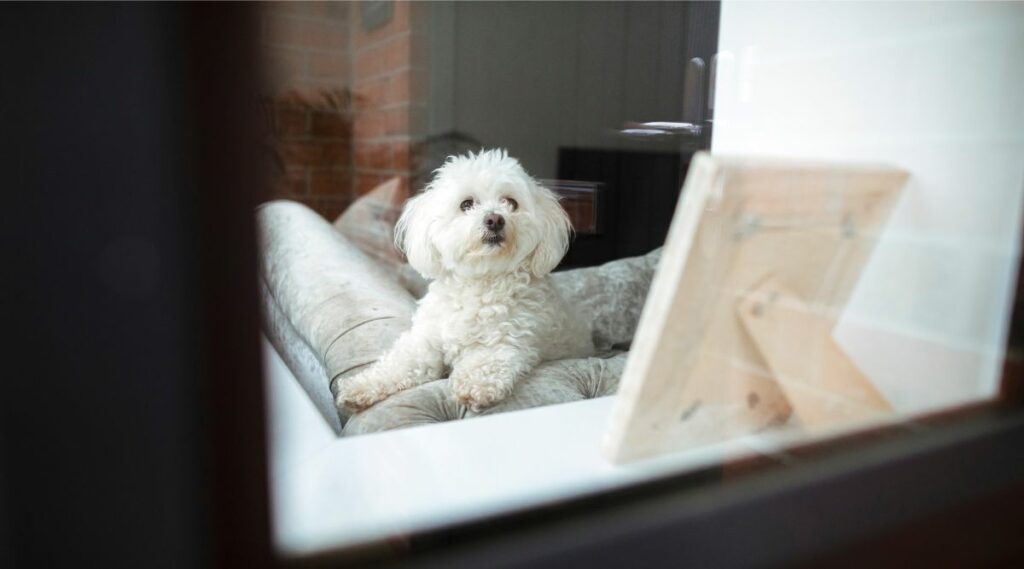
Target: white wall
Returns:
[[937, 89]]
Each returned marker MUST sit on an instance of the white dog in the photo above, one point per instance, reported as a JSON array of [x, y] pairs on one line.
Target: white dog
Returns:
[[488, 235]]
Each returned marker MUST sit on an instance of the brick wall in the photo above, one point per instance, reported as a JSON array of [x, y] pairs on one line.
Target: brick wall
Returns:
[[306, 46], [344, 104], [389, 82]]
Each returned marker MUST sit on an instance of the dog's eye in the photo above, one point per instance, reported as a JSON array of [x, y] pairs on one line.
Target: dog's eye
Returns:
[[512, 204], [466, 204]]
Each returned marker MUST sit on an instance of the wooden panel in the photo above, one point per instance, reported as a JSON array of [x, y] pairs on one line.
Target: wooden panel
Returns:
[[695, 374], [824, 388]]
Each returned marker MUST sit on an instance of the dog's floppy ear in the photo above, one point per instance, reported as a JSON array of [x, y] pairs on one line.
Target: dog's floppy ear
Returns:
[[412, 238], [554, 234]]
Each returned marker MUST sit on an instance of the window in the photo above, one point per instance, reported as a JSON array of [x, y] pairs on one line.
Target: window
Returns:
[[779, 219], [608, 104]]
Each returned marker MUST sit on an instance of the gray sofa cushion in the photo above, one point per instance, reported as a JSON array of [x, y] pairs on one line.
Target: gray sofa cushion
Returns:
[[330, 310], [304, 363], [346, 308], [610, 296], [556, 382]]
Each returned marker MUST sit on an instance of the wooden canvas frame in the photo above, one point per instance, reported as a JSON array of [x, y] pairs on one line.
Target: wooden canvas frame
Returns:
[[736, 333]]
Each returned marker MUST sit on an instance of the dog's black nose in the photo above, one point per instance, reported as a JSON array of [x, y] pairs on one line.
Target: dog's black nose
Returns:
[[494, 222]]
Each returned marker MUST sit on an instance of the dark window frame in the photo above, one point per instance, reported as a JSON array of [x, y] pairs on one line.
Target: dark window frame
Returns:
[[809, 505]]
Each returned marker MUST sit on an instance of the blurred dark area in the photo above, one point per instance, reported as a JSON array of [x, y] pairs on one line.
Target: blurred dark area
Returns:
[[132, 428], [639, 191]]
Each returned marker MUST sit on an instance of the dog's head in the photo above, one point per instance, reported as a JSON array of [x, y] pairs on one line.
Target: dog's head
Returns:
[[483, 215]]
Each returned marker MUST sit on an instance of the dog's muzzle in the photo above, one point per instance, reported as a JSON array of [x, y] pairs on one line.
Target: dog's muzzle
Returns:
[[494, 229]]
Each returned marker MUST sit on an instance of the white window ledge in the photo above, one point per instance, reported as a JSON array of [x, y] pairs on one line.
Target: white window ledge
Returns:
[[330, 493]]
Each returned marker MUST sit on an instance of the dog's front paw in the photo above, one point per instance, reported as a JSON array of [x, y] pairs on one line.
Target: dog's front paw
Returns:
[[481, 386], [361, 391]]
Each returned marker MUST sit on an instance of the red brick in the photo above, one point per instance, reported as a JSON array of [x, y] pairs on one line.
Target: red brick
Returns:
[[330, 124], [299, 93], [365, 183], [290, 184], [398, 88], [325, 34], [329, 65], [359, 101], [313, 153], [373, 156], [336, 99], [330, 182], [301, 32], [291, 97], [324, 86], [296, 153], [292, 122], [338, 153], [400, 155], [372, 93], [396, 53], [363, 128], [369, 62], [371, 123], [401, 15], [396, 121], [316, 94]]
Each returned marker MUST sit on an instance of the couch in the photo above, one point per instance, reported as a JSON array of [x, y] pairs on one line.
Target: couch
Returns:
[[330, 309]]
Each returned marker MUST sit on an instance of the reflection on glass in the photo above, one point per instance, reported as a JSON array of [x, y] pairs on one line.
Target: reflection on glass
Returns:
[[791, 308]]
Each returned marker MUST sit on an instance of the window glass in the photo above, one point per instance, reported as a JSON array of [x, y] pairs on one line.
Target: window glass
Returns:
[[791, 222]]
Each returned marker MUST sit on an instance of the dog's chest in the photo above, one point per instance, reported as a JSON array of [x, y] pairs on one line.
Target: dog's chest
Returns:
[[484, 317]]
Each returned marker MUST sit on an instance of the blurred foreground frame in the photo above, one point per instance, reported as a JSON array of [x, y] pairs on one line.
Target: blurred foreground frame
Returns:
[[134, 434], [736, 334]]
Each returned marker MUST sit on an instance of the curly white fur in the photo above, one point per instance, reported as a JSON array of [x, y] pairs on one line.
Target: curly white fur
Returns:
[[490, 314]]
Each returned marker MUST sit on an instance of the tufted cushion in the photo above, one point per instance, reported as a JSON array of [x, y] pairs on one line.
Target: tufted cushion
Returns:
[[611, 296], [369, 224], [561, 381], [330, 310], [346, 308]]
